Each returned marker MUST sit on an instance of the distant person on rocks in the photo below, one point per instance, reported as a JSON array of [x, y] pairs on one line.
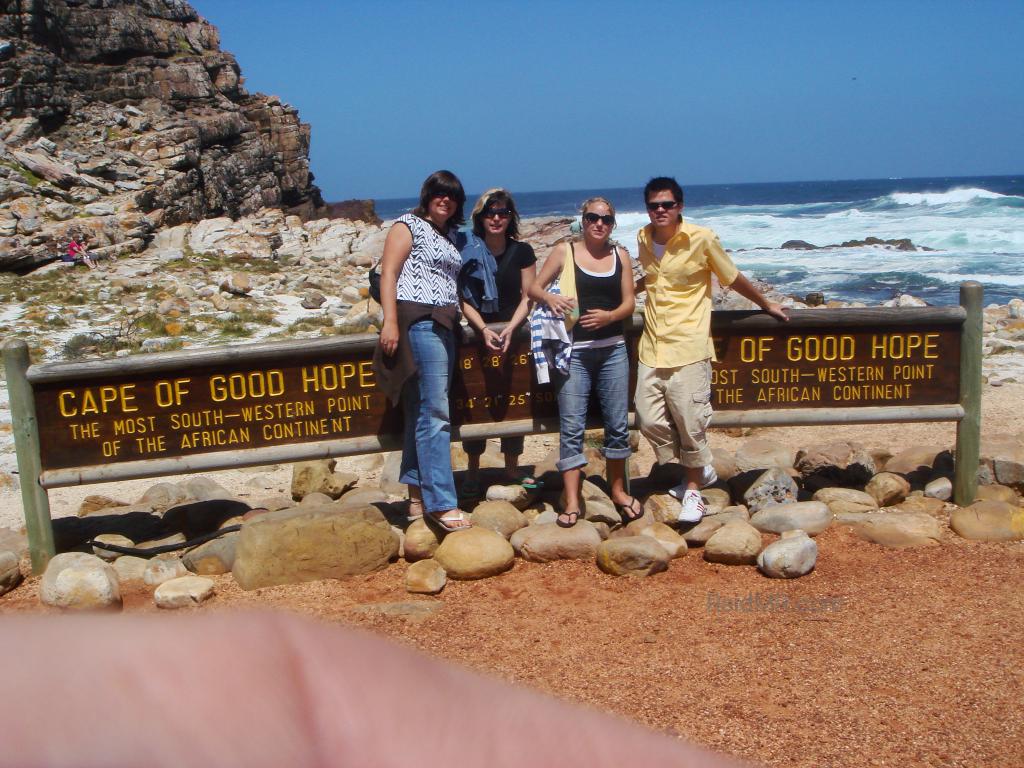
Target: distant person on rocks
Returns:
[[78, 251], [673, 385], [498, 271], [417, 349], [595, 284]]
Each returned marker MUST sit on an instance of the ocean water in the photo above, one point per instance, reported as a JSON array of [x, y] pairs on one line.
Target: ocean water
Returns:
[[974, 225]]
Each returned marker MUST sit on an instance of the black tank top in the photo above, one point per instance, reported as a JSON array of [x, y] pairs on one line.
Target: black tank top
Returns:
[[598, 293]]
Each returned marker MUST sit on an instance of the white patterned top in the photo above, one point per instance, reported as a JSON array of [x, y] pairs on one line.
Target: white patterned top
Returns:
[[429, 274]]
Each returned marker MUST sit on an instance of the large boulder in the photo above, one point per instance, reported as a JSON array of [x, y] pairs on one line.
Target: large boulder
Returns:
[[839, 463], [758, 454], [214, 557], [1003, 455], [887, 488], [735, 543], [698, 534], [319, 477], [842, 500], [813, 517], [772, 487], [500, 516], [10, 571], [989, 521], [474, 553], [421, 541], [632, 556], [293, 546], [792, 556], [671, 540], [896, 530], [996, 492], [79, 581], [542, 543]]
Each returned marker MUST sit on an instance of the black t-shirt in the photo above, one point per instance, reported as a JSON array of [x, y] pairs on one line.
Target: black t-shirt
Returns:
[[517, 257]]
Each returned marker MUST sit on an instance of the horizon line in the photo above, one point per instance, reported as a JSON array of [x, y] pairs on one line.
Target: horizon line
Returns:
[[725, 184]]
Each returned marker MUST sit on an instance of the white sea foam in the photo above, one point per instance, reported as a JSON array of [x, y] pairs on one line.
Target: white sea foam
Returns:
[[973, 234], [965, 195]]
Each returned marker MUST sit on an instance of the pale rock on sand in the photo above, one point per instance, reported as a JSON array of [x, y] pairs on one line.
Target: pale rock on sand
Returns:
[[989, 521], [425, 577], [183, 592], [544, 542], [812, 517], [475, 553], [632, 556], [792, 556], [735, 543], [80, 581]]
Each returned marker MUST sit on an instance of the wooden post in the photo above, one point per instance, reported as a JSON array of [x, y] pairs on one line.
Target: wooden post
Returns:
[[26, 443], [968, 430]]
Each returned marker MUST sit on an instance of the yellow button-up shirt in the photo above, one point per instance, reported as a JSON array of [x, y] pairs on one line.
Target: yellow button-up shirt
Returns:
[[677, 318]]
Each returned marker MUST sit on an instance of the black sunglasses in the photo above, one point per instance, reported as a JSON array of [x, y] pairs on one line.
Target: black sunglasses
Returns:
[[503, 213], [661, 204], [593, 218]]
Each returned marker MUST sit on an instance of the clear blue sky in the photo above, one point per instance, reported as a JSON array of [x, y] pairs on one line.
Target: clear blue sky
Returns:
[[568, 95]]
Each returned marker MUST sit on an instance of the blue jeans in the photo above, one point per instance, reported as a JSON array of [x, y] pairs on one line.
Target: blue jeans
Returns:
[[426, 450], [604, 370]]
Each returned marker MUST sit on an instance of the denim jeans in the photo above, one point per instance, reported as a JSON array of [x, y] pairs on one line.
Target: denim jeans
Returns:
[[426, 450], [605, 371]]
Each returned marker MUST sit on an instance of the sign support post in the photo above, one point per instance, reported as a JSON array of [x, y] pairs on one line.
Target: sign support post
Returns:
[[26, 443], [968, 429]]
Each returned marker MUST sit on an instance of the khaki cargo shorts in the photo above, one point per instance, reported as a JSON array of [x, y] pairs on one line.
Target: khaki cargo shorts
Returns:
[[673, 407]]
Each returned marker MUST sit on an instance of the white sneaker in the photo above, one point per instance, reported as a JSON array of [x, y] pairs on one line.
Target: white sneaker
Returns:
[[708, 476], [693, 508]]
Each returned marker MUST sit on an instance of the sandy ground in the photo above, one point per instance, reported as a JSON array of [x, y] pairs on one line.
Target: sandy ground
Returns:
[[879, 657]]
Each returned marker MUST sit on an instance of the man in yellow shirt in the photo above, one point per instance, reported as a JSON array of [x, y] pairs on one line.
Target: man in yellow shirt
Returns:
[[673, 386]]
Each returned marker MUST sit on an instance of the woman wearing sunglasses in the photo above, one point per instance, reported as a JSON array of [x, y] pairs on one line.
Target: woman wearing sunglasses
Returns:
[[599, 364], [417, 351], [498, 271]]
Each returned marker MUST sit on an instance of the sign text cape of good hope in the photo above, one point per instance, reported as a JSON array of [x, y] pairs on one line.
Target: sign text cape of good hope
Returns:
[[238, 398]]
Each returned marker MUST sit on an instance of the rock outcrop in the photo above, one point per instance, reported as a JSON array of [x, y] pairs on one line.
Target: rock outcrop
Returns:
[[120, 118]]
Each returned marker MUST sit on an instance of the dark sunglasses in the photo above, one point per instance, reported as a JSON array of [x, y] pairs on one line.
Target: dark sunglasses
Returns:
[[593, 218], [502, 213], [668, 206]]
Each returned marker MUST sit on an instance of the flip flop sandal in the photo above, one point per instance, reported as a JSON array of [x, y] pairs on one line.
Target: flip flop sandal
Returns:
[[445, 523], [629, 511], [574, 515]]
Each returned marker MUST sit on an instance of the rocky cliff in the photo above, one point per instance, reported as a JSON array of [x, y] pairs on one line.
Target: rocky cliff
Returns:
[[123, 117]]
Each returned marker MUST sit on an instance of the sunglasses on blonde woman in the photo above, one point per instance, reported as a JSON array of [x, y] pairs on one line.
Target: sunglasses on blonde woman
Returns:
[[501, 213], [593, 218]]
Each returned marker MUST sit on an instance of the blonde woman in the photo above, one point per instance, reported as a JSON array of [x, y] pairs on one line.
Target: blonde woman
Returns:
[[599, 365]]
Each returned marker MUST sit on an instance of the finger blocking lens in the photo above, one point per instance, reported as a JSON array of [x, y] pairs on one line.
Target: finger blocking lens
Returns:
[[593, 218]]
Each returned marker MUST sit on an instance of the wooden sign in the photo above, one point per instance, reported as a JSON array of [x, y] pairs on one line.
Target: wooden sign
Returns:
[[180, 404]]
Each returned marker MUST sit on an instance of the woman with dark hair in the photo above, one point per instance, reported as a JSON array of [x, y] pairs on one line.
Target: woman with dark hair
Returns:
[[498, 271], [595, 279], [417, 350]]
